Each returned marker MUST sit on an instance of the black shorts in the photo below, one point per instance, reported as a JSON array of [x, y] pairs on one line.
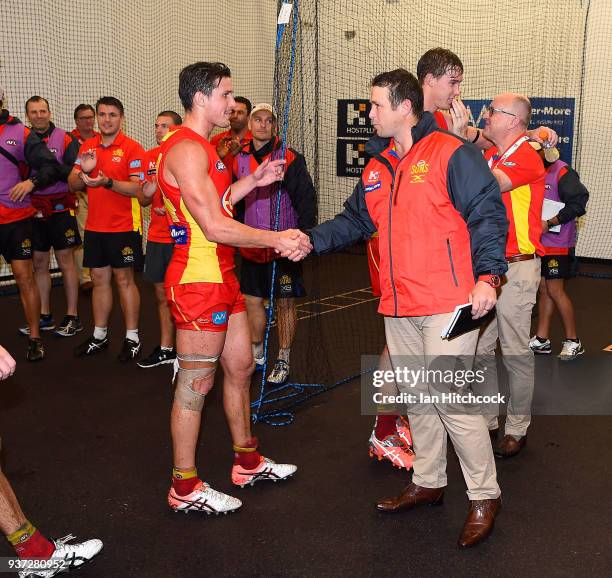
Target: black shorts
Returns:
[[559, 266], [59, 230], [119, 250], [256, 279], [16, 240], [157, 260]]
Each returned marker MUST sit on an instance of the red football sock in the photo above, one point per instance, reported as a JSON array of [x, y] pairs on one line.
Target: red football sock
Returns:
[[34, 546], [385, 425], [247, 456], [184, 481]]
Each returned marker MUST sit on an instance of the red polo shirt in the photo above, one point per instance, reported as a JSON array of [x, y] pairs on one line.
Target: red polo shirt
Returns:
[[77, 134], [523, 203], [111, 212]]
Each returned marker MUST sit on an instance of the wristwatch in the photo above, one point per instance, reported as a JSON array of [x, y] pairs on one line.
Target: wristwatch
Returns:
[[491, 279], [109, 184]]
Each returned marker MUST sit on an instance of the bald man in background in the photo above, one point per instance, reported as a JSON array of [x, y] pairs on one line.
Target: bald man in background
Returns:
[[520, 174]]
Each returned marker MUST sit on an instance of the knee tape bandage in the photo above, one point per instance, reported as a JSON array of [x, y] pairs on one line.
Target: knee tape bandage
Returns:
[[184, 394]]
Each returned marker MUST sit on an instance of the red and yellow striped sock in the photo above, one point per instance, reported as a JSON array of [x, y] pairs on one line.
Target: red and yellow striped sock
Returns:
[[30, 543], [184, 480], [247, 456]]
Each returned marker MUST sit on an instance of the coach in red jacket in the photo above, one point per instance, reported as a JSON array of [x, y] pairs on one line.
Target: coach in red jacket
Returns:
[[442, 228]]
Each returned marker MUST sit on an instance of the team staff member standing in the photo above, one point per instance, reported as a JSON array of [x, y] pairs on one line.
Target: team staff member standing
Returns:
[[440, 74], [20, 151], [442, 225], [298, 208], [110, 167], [85, 120], [203, 291], [520, 174], [159, 244], [55, 224], [562, 185], [230, 142]]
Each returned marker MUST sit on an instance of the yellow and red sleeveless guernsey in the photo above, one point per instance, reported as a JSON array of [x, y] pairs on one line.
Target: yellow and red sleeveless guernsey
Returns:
[[195, 259], [158, 225], [523, 166]]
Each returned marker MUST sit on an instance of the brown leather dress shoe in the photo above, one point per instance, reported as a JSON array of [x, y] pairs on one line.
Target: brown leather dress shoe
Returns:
[[508, 446], [479, 522], [412, 496]]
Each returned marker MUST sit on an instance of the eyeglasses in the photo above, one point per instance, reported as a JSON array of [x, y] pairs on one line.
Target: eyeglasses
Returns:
[[491, 109]]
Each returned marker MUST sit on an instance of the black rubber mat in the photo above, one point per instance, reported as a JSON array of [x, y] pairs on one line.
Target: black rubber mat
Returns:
[[87, 448]]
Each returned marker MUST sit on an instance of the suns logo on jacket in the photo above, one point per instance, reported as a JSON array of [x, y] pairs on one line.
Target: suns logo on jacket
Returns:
[[418, 171]]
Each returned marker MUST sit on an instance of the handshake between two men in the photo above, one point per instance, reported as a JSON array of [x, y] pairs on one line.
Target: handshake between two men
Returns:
[[293, 244]]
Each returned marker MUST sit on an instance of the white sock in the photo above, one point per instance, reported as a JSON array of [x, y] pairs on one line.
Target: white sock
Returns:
[[133, 335], [284, 354], [164, 348], [100, 332], [257, 349]]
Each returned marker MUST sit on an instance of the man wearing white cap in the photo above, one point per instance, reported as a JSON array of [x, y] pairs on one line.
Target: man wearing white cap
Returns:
[[279, 206]]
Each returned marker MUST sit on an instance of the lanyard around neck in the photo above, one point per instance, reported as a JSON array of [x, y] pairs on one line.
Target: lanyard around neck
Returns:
[[493, 162]]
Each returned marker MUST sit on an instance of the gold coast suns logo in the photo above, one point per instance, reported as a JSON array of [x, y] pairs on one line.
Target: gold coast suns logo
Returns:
[[418, 172], [117, 155], [226, 202], [128, 254]]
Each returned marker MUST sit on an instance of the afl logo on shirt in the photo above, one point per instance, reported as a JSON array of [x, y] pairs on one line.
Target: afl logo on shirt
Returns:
[[10, 142], [220, 166]]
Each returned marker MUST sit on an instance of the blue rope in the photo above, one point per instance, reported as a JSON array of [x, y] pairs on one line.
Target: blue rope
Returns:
[[279, 416], [279, 154], [297, 392]]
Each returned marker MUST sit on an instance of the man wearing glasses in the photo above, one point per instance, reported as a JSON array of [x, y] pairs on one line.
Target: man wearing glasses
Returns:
[[520, 174], [84, 119]]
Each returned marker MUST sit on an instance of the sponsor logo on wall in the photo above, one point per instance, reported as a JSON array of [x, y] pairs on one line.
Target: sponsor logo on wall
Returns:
[[354, 130], [556, 113]]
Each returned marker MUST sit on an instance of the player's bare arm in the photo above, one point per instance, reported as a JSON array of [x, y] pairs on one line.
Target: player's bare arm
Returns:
[[186, 166]]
